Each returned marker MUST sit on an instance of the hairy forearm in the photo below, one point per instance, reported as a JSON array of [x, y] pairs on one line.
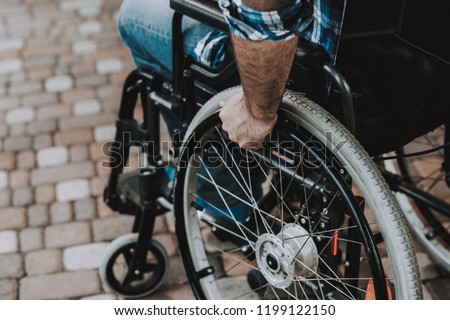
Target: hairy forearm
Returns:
[[264, 68]]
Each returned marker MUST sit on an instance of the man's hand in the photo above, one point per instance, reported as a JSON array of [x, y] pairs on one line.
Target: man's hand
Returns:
[[242, 127], [264, 68]]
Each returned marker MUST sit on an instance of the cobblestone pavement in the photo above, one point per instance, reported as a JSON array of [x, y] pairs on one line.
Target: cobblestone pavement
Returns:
[[62, 66]]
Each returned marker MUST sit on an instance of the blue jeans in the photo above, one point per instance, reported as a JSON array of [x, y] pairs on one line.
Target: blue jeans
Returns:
[[146, 29]]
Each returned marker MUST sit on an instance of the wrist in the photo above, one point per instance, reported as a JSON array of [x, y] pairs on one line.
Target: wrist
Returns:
[[261, 113]]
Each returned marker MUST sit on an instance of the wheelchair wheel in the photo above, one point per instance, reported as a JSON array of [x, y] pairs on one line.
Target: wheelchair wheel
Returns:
[[430, 227], [114, 269], [320, 224]]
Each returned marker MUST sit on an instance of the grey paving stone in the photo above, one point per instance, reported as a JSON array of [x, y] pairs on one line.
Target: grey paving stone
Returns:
[[7, 103], [68, 234], [91, 80], [22, 196], [65, 285], [14, 44], [26, 159], [72, 190], [52, 156], [39, 99], [31, 239], [43, 262], [428, 270], [4, 180], [108, 229], [25, 88], [8, 289], [60, 173], [85, 209], [19, 178], [439, 288], [42, 126], [38, 215], [7, 160], [19, 115], [12, 266], [79, 153], [5, 198], [42, 141], [82, 257], [45, 194], [3, 130], [12, 218], [17, 143], [60, 212], [8, 241]]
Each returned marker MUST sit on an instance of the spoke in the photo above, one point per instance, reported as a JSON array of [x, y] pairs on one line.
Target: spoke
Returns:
[[319, 277], [249, 195], [273, 187], [336, 277], [237, 198], [239, 262], [281, 188], [229, 231], [300, 280], [251, 198], [251, 192], [347, 284], [226, 204], [436, 181], [313, 230], [223, 212]]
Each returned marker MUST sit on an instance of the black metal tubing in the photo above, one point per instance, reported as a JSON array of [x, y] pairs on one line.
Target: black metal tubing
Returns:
[[401, 184], [138, 82], [205, 11], [131, 88], [345, 91], [421, 196], [177, 52]]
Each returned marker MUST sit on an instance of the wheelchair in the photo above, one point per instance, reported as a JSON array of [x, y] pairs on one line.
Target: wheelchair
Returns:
[[323, 221]]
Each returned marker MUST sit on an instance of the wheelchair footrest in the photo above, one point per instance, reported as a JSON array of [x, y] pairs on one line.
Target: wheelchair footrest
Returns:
[[129, 189], [128, 186]]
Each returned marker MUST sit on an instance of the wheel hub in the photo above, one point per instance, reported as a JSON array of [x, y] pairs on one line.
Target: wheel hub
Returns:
[[283, 257]]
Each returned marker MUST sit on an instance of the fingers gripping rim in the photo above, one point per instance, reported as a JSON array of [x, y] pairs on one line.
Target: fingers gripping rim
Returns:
[[366, 176]]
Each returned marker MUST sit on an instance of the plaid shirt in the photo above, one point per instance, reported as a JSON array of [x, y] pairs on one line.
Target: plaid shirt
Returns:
[[319, 21]]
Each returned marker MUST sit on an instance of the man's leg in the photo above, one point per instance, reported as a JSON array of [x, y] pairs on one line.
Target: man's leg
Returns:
[[146, 29]]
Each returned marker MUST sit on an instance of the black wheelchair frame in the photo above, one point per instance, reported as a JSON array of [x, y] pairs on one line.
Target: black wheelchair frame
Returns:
[[138, 193]]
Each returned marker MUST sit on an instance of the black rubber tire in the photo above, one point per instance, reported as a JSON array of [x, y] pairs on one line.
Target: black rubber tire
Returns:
[[142, 288]]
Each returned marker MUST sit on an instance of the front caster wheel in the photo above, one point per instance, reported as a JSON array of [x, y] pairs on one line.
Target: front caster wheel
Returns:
[[115, 269]]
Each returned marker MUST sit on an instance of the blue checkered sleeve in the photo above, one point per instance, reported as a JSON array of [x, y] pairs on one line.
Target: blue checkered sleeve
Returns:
[[319, 21], [254, 25]]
